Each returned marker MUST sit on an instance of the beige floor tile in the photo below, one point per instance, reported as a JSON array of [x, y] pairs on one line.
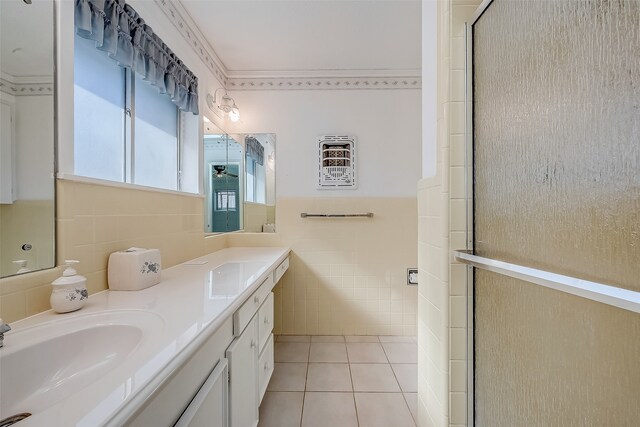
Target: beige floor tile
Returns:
[[291, 352], [327, 338], [412, 403], [328, 352], [361, 338], [401, 352], [329, 377], [373, 377], [293, 338], [383, 410], [366, 353], [281, 409], [396, 338], [407, 375], [329, 410], [288, 377]]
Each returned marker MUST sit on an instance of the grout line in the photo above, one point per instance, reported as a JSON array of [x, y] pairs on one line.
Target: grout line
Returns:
[[396, 377], [385, 355], [353, 390], [404, 397], [304, 397], [306, 378], [353, 395]]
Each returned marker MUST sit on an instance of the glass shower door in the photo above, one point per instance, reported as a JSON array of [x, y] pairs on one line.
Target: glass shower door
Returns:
[[556, 187]]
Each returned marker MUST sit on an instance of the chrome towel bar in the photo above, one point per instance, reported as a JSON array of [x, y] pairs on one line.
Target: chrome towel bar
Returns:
[[611, 295], [351, 215]]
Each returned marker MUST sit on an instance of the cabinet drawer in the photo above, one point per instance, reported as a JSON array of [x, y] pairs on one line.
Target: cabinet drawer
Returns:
[[265, 367], [244, 314], [280, 270], [265, 320]]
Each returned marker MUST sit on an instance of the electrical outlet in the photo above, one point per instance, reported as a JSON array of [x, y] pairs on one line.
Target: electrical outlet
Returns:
[[412, 276]]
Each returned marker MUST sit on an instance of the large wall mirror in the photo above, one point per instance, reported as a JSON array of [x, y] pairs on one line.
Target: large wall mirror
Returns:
[[27, 194], [239, 173]]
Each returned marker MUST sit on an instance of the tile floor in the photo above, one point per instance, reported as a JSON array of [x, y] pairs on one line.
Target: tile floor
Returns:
[[338, 381]]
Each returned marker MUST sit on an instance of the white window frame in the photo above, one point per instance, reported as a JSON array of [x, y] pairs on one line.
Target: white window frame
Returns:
[[129, 115]]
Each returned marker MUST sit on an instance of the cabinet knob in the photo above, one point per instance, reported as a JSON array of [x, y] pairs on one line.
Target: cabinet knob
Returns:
[[266, 321], [266, 366], [256, 299], [253, 344]]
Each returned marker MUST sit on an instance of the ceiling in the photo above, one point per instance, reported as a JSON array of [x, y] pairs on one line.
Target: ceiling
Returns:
[[26, 38], [312, 37]]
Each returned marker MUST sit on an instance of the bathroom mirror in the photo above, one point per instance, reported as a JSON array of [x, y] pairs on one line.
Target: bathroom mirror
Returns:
[[223, 181], [27, 187], [239, 173], [260, 183]]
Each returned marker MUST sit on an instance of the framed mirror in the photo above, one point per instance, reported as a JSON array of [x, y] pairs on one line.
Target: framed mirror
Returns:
[[239, 172], [223, 181], [27, 136], [260, 183]]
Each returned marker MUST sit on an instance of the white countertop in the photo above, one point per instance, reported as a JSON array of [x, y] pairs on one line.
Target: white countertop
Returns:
[[182, 311]]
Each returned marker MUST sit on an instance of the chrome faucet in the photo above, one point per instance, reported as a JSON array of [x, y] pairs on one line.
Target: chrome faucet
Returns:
[[3, 328]]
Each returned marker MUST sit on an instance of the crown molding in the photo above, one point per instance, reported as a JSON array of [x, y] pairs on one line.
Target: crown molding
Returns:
[[323, 73], [183, 22], [282, 79]]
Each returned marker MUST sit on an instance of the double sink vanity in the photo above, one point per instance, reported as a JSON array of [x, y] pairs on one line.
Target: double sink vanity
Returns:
[[198, 346]]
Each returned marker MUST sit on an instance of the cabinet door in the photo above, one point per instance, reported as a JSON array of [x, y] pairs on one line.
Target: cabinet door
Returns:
[[210, 406], [243, 373], [6, 154]]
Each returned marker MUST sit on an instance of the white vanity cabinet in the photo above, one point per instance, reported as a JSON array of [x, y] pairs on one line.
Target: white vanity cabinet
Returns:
[[251, 356], [224, 381], [209, 408], [180, 391]]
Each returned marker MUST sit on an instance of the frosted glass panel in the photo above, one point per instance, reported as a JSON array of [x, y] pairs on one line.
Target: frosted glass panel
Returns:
[[156, 140], [545, 358], [557, 131], [98, 113], [557, 187]]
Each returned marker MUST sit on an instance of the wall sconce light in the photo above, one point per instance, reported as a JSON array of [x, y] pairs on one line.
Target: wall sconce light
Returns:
[[224, 103]]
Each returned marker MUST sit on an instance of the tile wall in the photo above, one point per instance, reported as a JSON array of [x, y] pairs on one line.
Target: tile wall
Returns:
[[255, 215], [442, 228], [94, 220], [347, 276], [33, 221]]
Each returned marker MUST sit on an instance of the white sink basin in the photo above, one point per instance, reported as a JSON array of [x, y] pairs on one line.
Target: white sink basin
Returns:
[[43, 365]]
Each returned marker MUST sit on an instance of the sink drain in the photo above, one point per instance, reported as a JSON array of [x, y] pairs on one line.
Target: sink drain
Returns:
[[9, 421]]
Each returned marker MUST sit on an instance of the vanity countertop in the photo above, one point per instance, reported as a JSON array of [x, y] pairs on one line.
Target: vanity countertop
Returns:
[[178, 315]]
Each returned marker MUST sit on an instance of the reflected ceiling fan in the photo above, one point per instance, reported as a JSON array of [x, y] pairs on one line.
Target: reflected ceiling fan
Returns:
[[221, 170]]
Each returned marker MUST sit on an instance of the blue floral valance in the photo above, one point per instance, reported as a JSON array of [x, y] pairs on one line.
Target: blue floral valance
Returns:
[[254, 149], [118, 30]]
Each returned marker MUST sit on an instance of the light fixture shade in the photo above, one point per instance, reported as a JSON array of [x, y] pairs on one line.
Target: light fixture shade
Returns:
[[234, 114], [225, 104]]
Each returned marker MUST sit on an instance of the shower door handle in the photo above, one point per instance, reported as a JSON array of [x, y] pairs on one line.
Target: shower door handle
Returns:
[[611, 295]]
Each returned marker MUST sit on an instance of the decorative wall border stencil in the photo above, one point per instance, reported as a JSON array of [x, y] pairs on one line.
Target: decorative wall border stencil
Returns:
[[26, 89], [324, 83]]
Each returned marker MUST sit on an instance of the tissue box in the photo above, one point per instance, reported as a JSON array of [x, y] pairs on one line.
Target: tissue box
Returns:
[[134, 269]]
